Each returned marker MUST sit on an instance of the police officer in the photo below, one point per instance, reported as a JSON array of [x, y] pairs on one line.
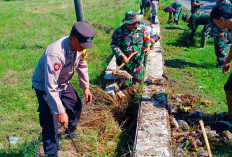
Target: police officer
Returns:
[[175, 8], [58, 101], [126, 39], [194, 21], [195, 6]]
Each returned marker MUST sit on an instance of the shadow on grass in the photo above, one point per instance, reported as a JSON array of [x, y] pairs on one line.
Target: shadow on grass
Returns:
[[128, 123], [183, 40], [178, 63], [173, 28]]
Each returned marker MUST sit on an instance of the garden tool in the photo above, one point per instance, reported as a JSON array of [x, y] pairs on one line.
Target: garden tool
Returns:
[[122, 74], [74, 144], [205, 137]]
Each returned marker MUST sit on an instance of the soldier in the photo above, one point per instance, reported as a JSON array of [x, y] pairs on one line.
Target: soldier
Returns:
[[129, 38], [145, 5], [195, 6], [149, 4], [222, 16], [58, 101], [175, 9], [194, 21], [220, 37]]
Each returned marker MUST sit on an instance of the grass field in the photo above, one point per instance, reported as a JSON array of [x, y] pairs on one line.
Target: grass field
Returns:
[[27, 28]]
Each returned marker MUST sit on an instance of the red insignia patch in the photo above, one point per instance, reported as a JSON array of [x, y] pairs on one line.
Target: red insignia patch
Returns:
[[56, 66]]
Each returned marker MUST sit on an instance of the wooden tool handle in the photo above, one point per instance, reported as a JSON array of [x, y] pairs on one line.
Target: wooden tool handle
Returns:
[[205, 137], [123, 64]]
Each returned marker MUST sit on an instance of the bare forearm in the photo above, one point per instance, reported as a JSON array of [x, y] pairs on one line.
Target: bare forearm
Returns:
[[228, 60]]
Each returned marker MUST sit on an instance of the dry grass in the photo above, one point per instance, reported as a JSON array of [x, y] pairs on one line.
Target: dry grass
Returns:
[[99, 127]]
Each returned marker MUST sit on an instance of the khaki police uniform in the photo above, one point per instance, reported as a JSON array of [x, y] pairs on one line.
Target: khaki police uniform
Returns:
[[56, 68], [54, 92]]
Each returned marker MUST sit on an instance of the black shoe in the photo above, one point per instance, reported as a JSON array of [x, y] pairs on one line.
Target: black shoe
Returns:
[[71, 134], [53, 155], [219, 65]]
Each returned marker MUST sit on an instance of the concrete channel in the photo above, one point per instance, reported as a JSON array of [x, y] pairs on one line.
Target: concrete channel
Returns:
[[153, 131]]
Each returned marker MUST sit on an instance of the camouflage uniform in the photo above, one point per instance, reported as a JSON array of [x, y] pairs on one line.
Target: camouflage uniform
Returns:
[[220, 43], [194, 9], [200, 18], [126, 42], [176, 8]]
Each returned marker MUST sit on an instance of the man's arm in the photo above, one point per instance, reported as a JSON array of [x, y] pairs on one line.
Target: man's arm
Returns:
[[147, 43], [226, 66], [53, 66], [197, 4], [116, 48], [82, 71]]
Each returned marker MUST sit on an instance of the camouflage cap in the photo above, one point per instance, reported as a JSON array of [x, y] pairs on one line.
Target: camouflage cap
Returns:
[[130, 17], [184, 17]]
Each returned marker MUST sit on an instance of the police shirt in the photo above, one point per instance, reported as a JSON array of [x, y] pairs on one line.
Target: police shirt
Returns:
[[54, 70]]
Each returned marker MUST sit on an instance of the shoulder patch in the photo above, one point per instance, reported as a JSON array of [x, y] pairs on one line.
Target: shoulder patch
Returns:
[[56, 66], [198, 14]]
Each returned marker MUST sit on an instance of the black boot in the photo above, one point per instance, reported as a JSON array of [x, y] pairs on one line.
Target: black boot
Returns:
[[71, 134], [53, 155], [141, 9], [175, 22]]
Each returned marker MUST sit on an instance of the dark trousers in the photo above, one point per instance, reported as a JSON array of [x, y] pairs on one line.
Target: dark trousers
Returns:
[[49, 121], [230, 37]]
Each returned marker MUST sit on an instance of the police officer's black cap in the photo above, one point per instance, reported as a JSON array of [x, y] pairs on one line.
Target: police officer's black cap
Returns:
[[84, 33]]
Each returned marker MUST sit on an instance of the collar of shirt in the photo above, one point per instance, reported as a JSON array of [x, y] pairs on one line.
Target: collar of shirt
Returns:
[[69, 52], [129, 32]]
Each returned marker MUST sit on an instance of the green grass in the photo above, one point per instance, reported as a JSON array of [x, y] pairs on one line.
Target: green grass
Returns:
[[27, 28]]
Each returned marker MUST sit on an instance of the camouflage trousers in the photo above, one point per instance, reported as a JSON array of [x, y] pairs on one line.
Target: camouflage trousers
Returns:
[[176, 16], [220, 49], [205, 32], [135, 68]]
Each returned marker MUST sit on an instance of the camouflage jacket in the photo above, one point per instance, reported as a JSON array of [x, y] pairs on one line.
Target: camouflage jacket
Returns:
[[126, 42], [198, 18], [177, 6]]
